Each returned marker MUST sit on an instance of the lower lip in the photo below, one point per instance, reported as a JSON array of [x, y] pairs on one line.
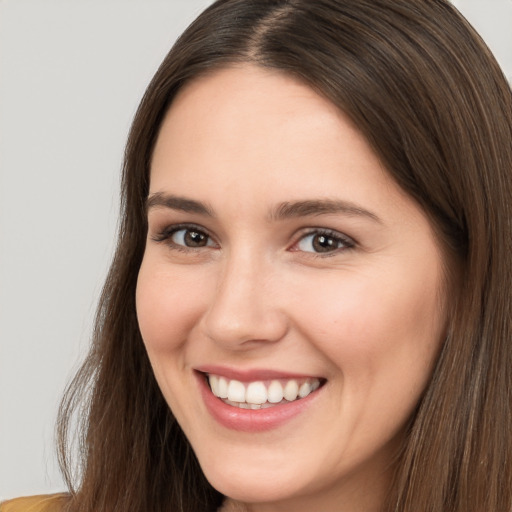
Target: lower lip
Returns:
[[249, 420]]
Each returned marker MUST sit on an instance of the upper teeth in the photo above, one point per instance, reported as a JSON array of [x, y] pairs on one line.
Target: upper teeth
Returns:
[[260, 392]]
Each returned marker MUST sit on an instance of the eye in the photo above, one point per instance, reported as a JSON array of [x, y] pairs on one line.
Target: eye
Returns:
[[323, 242], [185, 237], [190, 237]]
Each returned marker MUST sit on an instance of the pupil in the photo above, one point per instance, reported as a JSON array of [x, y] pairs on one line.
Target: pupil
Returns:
[[323, 243], [195, 239]]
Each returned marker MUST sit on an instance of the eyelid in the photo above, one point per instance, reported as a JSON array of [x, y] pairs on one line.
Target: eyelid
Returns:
[[348, 241], [165, 234]]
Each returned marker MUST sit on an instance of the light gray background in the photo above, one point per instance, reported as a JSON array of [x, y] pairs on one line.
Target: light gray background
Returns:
[[71, 76]]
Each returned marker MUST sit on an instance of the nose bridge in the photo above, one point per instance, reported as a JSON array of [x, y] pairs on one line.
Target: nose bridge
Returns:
[[243, 307]]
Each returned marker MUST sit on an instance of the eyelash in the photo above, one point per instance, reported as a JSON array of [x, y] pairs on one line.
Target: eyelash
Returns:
[[347, 243], [167, 233], [338, 238]]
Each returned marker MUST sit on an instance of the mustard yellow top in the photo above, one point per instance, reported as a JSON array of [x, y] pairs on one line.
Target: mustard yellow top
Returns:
[[42, 503]]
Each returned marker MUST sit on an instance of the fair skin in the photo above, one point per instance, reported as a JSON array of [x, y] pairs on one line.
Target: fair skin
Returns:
[[291, 250]]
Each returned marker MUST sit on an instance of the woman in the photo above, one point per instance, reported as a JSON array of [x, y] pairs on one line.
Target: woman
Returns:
[[309, 307]]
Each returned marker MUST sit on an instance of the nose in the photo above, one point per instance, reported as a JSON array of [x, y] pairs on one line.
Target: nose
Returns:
[[243, 311]]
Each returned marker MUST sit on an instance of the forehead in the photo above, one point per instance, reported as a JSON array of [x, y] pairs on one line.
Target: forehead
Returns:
[[259, 120], [246, 138], [248, 100]]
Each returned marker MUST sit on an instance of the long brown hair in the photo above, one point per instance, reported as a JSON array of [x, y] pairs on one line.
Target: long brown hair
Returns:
[[428, 95]]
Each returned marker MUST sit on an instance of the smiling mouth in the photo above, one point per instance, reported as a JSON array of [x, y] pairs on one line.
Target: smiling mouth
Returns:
[[261, 394]]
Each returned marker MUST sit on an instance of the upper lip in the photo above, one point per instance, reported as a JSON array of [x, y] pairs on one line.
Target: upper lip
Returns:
[[250, 375]]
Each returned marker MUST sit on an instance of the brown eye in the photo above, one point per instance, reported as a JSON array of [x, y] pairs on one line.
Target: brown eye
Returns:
[[324, 242], [190, 237]]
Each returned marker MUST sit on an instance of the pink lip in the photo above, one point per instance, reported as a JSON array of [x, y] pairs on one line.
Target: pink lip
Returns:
[[250, 375], [248, 420]]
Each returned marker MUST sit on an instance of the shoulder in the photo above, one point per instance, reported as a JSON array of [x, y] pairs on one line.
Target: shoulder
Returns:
[[42, 503]]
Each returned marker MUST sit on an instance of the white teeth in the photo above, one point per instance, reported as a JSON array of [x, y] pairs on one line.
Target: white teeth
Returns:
[[291, 390], [236, 391], [275, 392], [223, 388], [214, 384], [256, 395], [304, 390]]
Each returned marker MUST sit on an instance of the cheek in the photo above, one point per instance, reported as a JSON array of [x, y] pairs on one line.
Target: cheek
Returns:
[[168, 305], [381, 333]]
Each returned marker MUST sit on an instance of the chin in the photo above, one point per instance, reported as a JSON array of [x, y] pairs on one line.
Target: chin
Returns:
[[246, 483]]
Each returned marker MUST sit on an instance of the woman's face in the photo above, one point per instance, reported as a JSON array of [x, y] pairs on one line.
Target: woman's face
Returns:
[[282, 261]]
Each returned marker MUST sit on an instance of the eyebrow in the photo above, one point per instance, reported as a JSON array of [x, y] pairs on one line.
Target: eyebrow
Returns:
[[283, 211], [311, 208], [161, 200]]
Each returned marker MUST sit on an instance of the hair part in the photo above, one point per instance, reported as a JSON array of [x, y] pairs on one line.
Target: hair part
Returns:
[[427, 94]]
